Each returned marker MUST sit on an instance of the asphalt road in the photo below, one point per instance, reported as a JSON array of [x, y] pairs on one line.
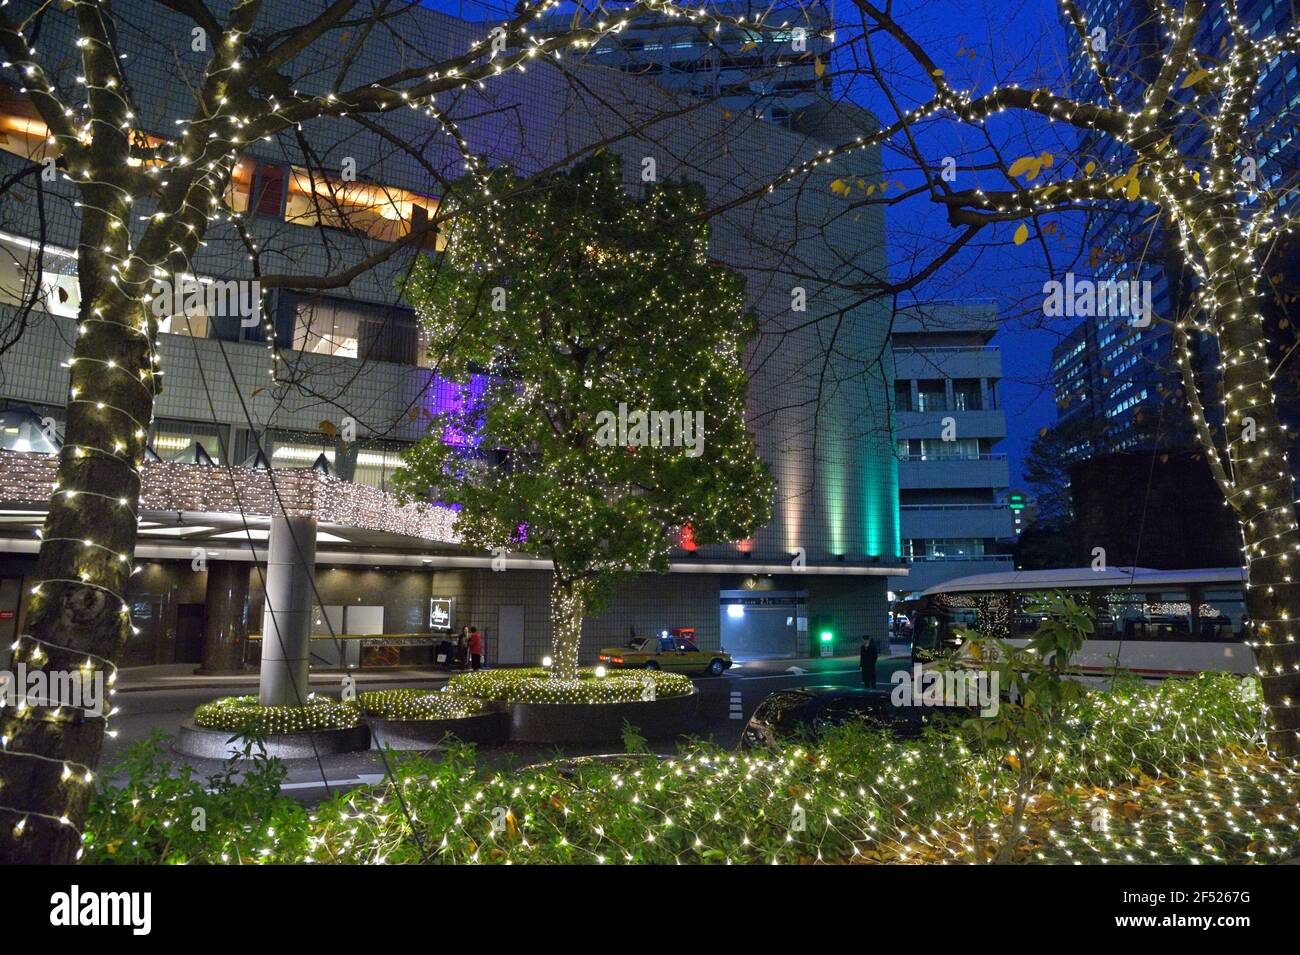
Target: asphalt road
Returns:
[[726, 703]]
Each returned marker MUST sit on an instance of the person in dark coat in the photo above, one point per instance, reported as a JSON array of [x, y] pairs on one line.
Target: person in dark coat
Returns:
[[867, 658], [462, 648]]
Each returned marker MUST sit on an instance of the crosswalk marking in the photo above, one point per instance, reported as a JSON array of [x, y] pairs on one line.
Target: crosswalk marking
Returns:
[[737, 708]]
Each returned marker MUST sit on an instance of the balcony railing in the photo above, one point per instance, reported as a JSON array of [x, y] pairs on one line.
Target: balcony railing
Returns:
[[944, 349], [927, 558], [952, 457], [952, 507]]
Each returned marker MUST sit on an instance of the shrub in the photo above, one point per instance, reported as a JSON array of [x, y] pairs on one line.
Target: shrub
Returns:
[[1170, 773], [245, 716], [146, 810], [411, 704], [536, 685]]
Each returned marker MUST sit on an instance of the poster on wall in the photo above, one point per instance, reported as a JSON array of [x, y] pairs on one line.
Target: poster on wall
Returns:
[[440, 611]]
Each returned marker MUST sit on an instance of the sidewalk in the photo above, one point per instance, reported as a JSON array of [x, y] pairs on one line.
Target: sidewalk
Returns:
[[181, 676]]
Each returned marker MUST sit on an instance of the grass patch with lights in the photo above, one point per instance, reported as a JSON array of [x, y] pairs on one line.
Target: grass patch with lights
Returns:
[[412, 704], [246, 716], [536, 685], [1172, 773]]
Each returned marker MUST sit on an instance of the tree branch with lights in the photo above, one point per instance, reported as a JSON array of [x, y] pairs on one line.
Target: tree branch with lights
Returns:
[[1221, 220]]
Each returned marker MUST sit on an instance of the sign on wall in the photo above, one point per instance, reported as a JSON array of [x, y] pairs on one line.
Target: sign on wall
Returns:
[[440, 612]]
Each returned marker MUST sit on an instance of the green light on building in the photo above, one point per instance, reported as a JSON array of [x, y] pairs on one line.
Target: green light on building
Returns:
[[827, 636]]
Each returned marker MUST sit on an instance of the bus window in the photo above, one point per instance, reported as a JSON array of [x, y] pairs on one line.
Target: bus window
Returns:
[[927, 631], [1220, 614]]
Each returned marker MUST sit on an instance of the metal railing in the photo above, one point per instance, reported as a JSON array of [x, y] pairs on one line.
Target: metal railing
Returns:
[[928, 559], [952, 457], [953, 507], [945, 349]]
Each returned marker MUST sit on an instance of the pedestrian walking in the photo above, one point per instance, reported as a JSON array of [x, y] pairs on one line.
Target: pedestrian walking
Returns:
[[867, 658], [475, 648]]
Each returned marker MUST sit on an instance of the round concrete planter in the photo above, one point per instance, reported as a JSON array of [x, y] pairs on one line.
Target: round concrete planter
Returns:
[[601, 722], [212, 744], [426, 734]]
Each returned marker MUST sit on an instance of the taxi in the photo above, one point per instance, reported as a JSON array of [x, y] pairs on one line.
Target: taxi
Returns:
[[675, 651]]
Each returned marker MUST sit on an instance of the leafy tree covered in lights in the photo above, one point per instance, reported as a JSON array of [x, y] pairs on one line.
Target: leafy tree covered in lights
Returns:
[[573, 298]]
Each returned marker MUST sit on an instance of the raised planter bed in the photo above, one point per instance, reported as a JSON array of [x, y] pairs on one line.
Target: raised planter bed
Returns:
[[214, 743], [425, 734], [601, 722]]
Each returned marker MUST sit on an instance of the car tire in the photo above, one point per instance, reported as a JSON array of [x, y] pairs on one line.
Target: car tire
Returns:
[[651, 665], [716, 667]]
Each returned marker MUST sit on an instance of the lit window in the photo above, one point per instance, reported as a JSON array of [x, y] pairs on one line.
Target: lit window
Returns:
[[381, 212]]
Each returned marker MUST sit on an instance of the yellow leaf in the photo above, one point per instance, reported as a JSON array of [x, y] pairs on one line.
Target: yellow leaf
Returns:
[[839, 187], [327, 427], [1023, 165], [819, 67], [1046, 159], [1195, 77], [1021, 235], [1134, 187], [751, 45], [1090, 168], [938, 72]]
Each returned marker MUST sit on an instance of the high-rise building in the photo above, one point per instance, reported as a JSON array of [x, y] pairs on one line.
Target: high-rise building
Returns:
[[951, 477], [1113, 378], [775, 74]]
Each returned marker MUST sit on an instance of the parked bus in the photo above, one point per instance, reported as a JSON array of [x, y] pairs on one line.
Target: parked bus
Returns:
[[1151, 623]]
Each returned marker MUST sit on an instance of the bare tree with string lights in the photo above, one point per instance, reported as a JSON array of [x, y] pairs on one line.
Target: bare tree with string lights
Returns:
[[1225, 226]]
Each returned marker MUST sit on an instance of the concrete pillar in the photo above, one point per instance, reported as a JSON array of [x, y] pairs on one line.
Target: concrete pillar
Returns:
[[226, 630], [286, 623]]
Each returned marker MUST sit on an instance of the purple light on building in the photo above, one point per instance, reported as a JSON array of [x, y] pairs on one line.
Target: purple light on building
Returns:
[[456, 403]]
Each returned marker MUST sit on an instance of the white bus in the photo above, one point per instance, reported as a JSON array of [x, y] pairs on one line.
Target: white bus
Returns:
[[1151, 623]]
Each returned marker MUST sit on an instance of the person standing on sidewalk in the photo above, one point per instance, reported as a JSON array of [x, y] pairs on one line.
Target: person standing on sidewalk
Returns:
[[475, 648], [867, 658], [462, 649]]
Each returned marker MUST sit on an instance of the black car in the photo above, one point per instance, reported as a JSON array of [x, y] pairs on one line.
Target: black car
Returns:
[[804, 711]]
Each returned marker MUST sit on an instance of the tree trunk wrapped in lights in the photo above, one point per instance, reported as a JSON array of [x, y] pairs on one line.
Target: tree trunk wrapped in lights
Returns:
[[568, 607], [608, 411]]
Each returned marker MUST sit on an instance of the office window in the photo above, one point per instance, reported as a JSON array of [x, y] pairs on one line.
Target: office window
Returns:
[[59, 292], [967, 395], [931, 395], [380, 212], [961, 449], [180, 440], [333, 326]]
